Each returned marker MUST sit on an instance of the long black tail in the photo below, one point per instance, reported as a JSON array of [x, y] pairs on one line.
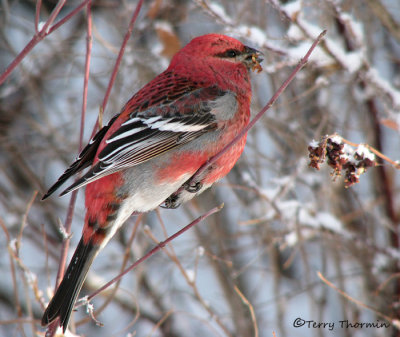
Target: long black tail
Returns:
[[63, 301]]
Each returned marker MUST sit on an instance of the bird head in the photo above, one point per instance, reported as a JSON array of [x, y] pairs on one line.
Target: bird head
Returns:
[[223, 51]]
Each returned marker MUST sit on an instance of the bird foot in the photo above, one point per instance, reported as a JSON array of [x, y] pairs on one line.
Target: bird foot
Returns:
[[192, 187], [171, 202]]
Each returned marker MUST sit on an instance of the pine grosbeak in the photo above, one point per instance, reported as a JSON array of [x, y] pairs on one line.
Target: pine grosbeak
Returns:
[[152, 148]]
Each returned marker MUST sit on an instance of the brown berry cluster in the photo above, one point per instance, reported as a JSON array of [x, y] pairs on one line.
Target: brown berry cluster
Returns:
[[341, 157], [317, 153]]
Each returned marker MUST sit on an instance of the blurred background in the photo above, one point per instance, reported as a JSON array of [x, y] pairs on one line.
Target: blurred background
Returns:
[[251, 269]]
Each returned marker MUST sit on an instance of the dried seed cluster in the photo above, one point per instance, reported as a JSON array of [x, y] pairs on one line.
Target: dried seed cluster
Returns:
[[341, 157]]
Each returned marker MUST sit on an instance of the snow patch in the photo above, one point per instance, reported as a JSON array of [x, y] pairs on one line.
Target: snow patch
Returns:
[[328, 221], [200, 251], [220, 11], [41, 24], [254, 34], [363, 152], [292, 8], [164, 26], [295, 33], [336, 139], [375, 78], [191, 275]]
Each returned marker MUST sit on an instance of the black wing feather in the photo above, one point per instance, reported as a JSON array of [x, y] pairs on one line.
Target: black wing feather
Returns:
[[84, 159]]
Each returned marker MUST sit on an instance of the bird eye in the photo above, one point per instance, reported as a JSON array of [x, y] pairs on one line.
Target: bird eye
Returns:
[[231, 53]]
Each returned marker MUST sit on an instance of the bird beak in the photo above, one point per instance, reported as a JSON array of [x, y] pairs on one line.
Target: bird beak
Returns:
[[252, 59]]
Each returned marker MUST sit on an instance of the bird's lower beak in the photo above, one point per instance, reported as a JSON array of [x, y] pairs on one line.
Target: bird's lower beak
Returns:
[[253, 58]]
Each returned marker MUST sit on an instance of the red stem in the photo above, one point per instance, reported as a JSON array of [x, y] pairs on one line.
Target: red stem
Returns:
[[37, 15], [17, 60], [60, 4], [40, 35], [69, 16], [121, 53], [87, 72]]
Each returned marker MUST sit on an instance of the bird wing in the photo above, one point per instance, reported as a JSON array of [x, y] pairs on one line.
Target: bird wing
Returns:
[[84, 159], [147, 134]]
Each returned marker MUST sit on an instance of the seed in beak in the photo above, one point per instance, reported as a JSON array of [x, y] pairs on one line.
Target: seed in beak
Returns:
[[256, 65]]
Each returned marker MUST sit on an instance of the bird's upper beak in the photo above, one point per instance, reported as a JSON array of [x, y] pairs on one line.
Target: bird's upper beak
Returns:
[[252, 59]]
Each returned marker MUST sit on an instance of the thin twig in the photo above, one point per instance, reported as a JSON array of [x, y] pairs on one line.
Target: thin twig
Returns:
[[251, 309], [87, 72], [385, 283], [358, 302], [44, 31], [39, 36], [37, 15], [121, 54], [160, 322], [68, 16], [12, 267], [24, 221], [379, 154], [46, 251], [15, 254]]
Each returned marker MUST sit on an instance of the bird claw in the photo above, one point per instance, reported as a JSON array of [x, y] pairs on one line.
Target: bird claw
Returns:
[[171, 202], [192, 187]]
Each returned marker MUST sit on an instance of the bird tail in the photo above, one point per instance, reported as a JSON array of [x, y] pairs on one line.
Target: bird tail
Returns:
[[63, 301]]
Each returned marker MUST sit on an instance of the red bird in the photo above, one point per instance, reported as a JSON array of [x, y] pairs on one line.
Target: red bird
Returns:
[[147, 153]]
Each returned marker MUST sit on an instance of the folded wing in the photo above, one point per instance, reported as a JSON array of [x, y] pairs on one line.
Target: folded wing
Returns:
[[145, 135]]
